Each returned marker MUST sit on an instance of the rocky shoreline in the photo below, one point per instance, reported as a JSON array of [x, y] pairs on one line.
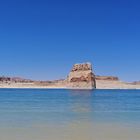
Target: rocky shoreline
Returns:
[[80, 77]]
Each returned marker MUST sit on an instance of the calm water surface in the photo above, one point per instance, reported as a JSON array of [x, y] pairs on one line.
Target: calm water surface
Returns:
[[27, 114]]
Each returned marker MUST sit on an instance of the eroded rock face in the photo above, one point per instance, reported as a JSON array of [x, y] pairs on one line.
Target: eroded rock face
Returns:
[[81, 76]]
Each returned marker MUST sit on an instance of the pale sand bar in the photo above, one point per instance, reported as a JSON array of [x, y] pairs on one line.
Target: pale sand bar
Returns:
[[100, 84]]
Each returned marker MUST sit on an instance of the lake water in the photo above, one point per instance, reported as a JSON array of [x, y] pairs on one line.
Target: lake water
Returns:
[[51, 114]]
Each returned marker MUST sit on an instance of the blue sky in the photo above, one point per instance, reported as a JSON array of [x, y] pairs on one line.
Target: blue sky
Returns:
[[41, 39]]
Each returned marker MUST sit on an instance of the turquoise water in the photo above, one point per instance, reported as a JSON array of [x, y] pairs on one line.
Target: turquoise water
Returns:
[[25, 111]]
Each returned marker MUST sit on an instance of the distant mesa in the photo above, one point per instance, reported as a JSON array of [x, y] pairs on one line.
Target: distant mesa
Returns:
[[108, 78], [14, 79], [81, 77], [136, 83]]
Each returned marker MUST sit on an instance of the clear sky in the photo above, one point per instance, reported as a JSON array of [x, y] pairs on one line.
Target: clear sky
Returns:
[[42, 39]]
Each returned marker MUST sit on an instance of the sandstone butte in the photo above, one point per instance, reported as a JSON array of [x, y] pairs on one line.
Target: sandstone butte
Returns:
[[81, 77]]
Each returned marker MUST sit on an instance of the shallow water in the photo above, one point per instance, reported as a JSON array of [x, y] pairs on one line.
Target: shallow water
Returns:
[[27, 114]]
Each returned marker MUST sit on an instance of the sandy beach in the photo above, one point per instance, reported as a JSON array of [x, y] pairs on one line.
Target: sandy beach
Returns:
[[72, 131]]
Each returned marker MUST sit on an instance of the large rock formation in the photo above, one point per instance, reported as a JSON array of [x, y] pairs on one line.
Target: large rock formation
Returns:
[[81, 77]]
